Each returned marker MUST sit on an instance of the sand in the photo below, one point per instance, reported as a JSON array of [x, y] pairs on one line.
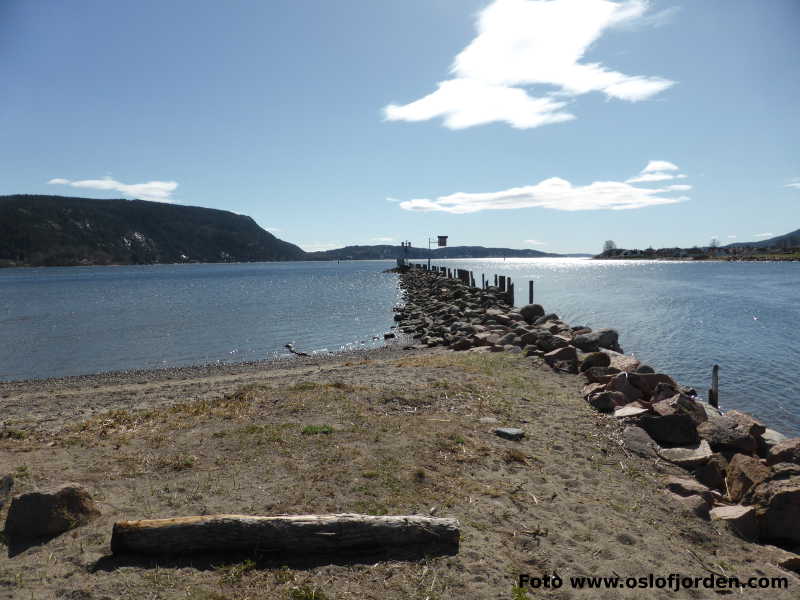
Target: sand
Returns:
[[411, 432]]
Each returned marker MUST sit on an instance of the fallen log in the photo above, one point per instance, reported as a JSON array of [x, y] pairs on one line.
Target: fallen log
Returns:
[[288, 534]]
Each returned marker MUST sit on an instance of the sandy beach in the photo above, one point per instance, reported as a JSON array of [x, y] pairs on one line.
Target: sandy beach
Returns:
[[391, 431]]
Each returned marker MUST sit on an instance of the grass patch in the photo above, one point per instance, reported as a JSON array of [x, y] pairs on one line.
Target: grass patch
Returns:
[[317, 429]]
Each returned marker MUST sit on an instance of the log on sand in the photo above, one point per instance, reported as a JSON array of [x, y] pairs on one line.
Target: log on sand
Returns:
[[288, 534]]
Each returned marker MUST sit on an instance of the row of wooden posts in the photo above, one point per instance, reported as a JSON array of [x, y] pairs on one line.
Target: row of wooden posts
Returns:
[[502, 282]]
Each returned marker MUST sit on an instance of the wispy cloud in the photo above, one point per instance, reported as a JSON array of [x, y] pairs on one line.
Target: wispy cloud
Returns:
[[522, 43], [554, 193], [731, 237], [795, 183], [658, 170], [766, 234], [535, 243], [382, 239], [159, 191]]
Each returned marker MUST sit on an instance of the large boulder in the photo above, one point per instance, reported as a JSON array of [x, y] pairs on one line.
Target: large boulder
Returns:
[[619, 383], [747, 422], [742, 473], [740, 519], [649, 382], [688, 457], [712, 473], [549, 342], [623, 362], [671, 430], [595, 359], [768, 439], [724, 433], [680, 404], [600, 374], [49, 513], [695, 504], [601, 338], [531, 312], [565, 353], [605, 401], [777, 502], [639, 442], [786, 451]]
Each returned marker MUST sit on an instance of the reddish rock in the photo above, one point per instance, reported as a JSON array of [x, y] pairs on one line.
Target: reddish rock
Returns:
[[742, 473], [785, 451], [595, 359], [623, 362], [777, 502], [680, 404], [740, 519], [712, 473], [605, 401], [648, 382], [747, 423], [724, 433], [565, 353], [619, 383]]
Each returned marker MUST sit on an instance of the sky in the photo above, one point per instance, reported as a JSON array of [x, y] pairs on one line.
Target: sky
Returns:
[[545, 124]]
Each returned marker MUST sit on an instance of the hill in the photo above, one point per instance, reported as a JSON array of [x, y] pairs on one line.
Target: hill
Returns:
[[386, 251], [57, 230], [787, 240]]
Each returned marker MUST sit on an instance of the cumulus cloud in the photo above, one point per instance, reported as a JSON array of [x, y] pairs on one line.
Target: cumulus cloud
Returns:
[[659, 165], [522, 43], [553, 193], [535, 243], [158, 191]]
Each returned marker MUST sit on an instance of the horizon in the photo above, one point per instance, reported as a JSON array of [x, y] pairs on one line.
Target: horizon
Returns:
[[525, 124]]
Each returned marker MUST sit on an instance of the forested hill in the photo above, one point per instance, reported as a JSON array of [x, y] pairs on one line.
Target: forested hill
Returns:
[[56, 230], [386, 251], [787, 240]]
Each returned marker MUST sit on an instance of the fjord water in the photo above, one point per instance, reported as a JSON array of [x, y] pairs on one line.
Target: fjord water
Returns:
[[679, 317], [81, 320], [682, 318]]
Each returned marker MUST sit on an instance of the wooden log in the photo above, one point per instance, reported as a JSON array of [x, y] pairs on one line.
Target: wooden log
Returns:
[[288, 534]]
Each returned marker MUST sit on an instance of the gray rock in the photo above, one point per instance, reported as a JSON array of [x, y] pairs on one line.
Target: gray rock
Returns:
[[602, 338], [712, 473], [697, 505], [683, 486], [49, 513], [676, 430], [565, 353], [595, 359], [724, 433], [740, 519], [687, 456], [786, 451], [630, 410], [546, 318], [605, 401], [531, 312], [510, 433], [637, 441], [768, 439]]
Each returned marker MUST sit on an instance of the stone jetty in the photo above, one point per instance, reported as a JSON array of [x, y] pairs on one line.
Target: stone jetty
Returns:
[[739, 472]]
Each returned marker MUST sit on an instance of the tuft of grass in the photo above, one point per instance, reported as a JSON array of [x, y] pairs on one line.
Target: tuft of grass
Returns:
[[306, 593], [513, 455], [231, 574], [317, 429]]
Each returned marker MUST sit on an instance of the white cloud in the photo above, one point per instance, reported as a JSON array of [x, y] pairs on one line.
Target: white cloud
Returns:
[[159, 191], [649, 177], [531, 42], [731, 237], [382, 239], [660, 165], [390, 199], [794, 184], [535, 243], [767, 234], [554, 193], [679, 188]]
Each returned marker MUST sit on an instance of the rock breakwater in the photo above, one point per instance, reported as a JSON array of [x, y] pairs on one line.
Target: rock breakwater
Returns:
[[744, 474]]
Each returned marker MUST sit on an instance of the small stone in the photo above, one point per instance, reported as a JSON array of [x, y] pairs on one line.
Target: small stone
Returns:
[[510, 433]]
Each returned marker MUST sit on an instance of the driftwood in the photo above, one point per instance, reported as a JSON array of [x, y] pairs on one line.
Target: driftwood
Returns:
[[288, 534]]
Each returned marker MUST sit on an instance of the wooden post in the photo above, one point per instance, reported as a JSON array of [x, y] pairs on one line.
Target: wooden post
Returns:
[[495, 280], [530, 292], [713, 393], [483, 281]]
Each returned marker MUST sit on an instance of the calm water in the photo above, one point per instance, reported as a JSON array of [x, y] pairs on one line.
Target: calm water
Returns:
[[681, 318], [78, 320]]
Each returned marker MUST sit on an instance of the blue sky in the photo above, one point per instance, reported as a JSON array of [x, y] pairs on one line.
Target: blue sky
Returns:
[[551, 124]]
